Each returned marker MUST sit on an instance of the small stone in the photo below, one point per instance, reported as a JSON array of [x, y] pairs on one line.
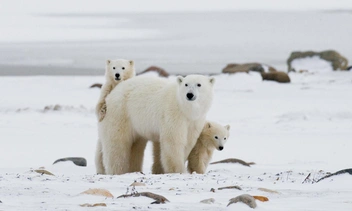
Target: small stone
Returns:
[[268, 190], [79, 161], [212, 190], [97, 85], [244, 198], [43, 171], [93, 205], [172, 189], [280, 77], [208, 201], [137, 184], [261, 198], [98, 192]]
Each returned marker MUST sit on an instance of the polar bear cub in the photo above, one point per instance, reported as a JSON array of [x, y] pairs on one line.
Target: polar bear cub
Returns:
[[213, 136], [115, 71]]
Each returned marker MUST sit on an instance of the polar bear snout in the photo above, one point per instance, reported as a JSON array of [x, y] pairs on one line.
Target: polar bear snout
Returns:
[[221, 148], [190, 96], [117, 76]]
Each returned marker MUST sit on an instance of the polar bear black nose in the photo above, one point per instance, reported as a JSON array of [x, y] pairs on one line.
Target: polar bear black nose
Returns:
[[190, 96], [117, 76], [221, 148]]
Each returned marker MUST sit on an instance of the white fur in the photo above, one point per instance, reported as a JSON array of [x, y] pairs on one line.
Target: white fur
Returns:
[[213, 136], [126, 70], [149, 108]]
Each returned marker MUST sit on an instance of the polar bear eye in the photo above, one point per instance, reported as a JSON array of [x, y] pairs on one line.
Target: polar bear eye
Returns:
[[199, 85], [216, 137], [113, 68], [225, 138], [123, 68], [186, 84]]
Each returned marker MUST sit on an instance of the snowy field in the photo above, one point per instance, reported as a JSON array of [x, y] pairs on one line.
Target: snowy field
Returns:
[[288, 130]]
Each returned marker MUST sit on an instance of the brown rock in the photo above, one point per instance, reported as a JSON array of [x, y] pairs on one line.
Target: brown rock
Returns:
[[237, 68], [137, 184], [280, 77], [96, 85], [98, 192], [261, 198], [159, 70], [338, 61], [244, 198], [268, 190], [43, 171], [93, 205]]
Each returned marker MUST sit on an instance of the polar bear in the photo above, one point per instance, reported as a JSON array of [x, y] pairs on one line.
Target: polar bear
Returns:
[[115, 71], [213, 136], [149, 108]]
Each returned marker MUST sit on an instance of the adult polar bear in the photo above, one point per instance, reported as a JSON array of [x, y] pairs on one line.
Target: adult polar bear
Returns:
[[143, 108]]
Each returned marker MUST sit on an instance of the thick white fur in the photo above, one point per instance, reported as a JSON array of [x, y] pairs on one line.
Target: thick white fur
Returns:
[[213, 136], [149, 108], [126, 70]]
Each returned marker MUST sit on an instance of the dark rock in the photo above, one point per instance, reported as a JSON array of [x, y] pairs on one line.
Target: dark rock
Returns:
[[280, 77], [344, 171], [337, 60], [349, 68], [244, 198], [238, 68], [79, 161], [96, 85], [159, 70]]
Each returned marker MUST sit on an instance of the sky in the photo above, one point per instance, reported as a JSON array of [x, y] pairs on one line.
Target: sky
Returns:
[[101, 6]]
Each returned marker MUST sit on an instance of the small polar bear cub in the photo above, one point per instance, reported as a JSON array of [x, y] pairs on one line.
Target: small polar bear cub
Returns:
[[115, 71], [213, 136]]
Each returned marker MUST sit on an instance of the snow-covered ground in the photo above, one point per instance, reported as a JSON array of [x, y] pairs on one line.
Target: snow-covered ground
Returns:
[[288, 130]]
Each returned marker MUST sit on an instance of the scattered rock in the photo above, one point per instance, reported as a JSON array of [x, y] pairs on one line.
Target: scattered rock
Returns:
[[137, 184], [280, 77], [79, 161], [349, 68], [161, 72], [56, 107], [344, 171], [337, 60], [244, 198], [268, 190], [43, 171], [93, 205], [257, 67], [212, 190], [230, 187], [98, 192], [98, 85], [261, 198], [234, 160], [208, 201], [159, 199]]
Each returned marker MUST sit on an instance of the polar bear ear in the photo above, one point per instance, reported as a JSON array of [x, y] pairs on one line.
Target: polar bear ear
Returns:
[[131, 62], [212, 80], [179, 79], [108, 61], [227, 127], [208, 125]]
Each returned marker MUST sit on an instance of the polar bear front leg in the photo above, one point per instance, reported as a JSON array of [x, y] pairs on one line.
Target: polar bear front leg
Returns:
[[157, 166], [137, 154], [117, 154], [99, 159], [172, 148]]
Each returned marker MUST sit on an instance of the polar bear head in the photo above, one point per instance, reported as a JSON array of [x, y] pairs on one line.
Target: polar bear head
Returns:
[[195, 94], [119, 70], [215, 135]]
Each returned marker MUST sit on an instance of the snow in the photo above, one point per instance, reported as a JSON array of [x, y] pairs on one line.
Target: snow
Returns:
[[312, 64], [288, 130]]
